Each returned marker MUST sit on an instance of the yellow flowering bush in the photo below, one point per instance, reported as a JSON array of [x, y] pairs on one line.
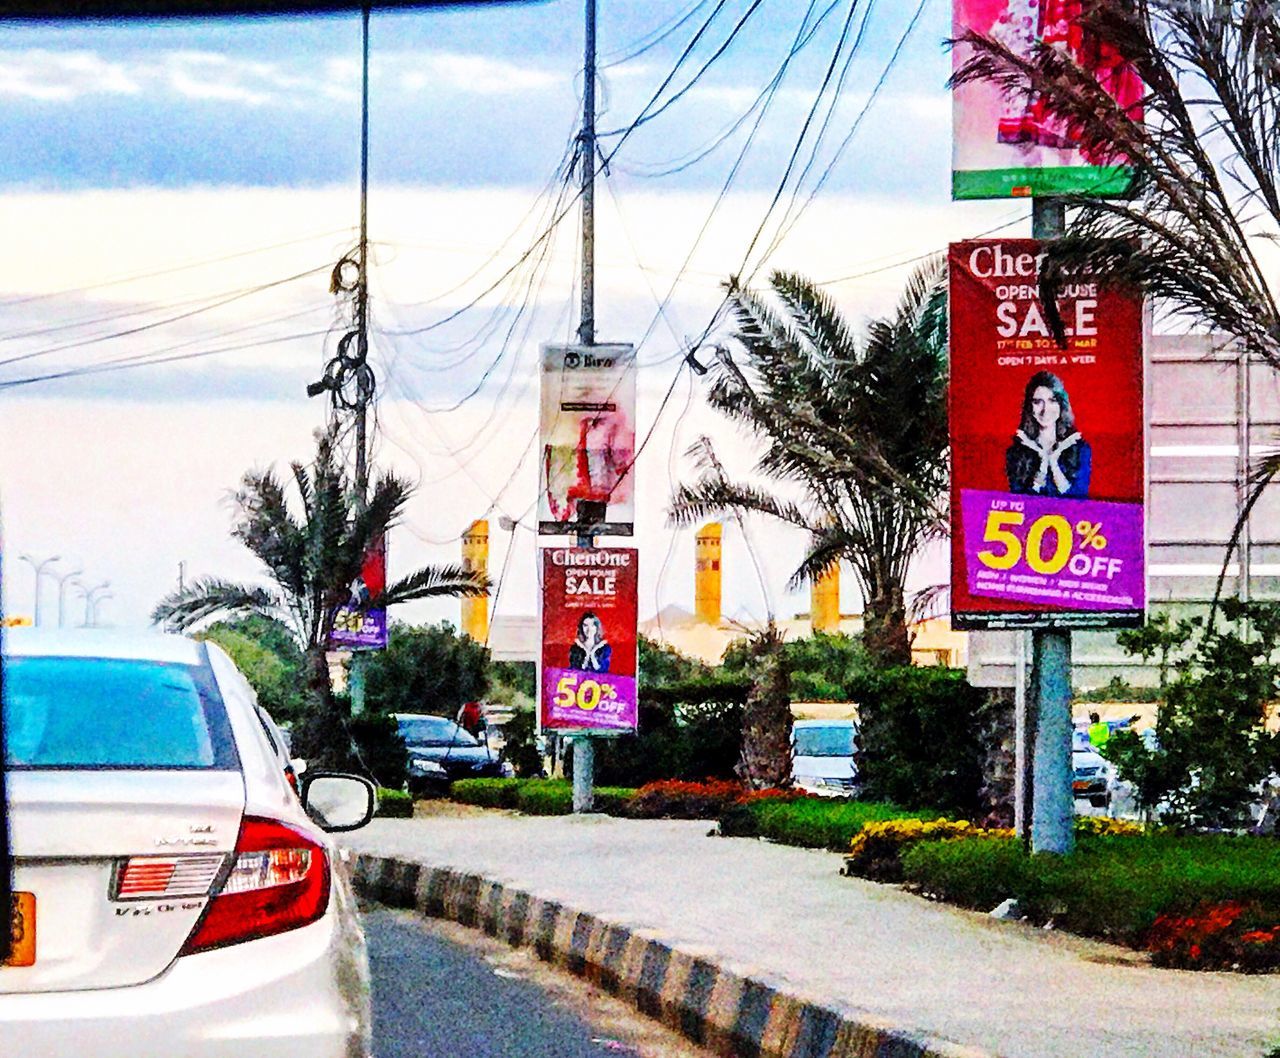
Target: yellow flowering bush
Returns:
[[876, 850], [1105, 827]]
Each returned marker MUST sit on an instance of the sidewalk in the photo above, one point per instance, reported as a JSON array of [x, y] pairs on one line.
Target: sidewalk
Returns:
[[786, 918]]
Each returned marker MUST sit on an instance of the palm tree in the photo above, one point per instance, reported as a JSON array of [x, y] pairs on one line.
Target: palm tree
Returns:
[[859, 426], [765, 762], [1205, 149], [312, 561]]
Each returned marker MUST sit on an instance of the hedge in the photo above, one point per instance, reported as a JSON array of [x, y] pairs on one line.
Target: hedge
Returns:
[[809, 822], [394, 804], [1111, 887]]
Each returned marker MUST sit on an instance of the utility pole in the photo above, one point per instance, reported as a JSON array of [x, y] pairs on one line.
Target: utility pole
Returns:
[[39, 567], [584, 754], [1048, 724]]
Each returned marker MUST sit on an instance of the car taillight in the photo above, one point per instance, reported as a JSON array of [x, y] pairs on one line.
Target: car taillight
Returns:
[[279, 880]]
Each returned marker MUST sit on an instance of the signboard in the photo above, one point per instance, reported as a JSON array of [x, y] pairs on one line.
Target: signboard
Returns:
[[1047, 521], [589, 616], [357, 629], [588, 440], [8, 900], [1007, 145]]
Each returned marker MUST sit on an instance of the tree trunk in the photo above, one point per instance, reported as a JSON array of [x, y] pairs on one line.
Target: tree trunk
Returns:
[[884, 631], [320, 736], [766, 721]]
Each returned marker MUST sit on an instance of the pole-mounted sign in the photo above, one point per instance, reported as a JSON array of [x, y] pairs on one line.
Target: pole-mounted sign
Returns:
[[589, 610], [1046, 447]]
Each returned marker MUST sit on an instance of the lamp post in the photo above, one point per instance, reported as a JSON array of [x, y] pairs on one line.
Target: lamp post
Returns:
[[90, 595], [39, 567], [63, 580], [98, 602]]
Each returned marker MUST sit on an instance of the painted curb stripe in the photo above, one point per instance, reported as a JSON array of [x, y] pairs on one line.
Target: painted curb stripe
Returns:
[[706, 1003]]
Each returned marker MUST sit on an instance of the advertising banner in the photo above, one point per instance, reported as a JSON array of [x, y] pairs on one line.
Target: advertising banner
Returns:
[[1047, 522], [1007, 145], [589, 617], [367, 630], [588, 440]]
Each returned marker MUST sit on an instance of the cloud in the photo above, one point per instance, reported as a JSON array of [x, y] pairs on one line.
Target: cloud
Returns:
[[63, 77], [457, 72]]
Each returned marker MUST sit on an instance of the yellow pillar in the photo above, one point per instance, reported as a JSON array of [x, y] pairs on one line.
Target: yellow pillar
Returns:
[[706, 590], [824, 601], [475, 556]]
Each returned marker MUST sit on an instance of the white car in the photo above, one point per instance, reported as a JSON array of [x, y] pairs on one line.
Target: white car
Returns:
[[822, 760], [174, 896]]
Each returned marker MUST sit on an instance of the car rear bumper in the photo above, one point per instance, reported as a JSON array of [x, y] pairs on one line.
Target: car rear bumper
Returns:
[[300, 992]]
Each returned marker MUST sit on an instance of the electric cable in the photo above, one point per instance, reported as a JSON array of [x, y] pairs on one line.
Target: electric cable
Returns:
[[643, 45], [119, 280]]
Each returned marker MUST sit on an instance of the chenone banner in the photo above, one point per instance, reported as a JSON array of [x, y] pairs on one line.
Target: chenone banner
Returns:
[[588, 440], [1007, 144], [589, 612], [1047, 526]]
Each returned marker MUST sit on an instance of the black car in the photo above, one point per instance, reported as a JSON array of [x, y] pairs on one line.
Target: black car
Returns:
[[440, 751]]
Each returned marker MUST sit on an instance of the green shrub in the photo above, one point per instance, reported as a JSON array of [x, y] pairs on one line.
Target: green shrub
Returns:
[[394, 804], [1111, 887], [544, 797], [809, 822], [919, 738], [613, 800], [486, 793]]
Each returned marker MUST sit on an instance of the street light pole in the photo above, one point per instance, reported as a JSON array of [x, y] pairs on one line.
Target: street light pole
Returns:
[[62, 590], [89, 595], [39, 567], [98, 602]]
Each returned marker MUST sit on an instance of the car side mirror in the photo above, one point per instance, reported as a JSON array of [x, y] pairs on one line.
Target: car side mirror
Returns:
[[338, 802]]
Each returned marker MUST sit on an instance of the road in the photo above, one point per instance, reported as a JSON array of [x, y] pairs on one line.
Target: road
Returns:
[[443, 991]]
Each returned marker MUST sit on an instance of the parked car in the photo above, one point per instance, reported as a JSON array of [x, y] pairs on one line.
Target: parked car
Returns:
[[1092, 775], [822, 757], [440, 751], [175, 896]]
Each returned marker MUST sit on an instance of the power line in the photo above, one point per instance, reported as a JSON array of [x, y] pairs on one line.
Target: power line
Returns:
[[129, 332], [119, 280]]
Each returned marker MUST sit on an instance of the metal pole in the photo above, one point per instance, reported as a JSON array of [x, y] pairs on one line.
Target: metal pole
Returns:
[[1022, 741], [584, 755], [62, 592], [1053, 804], [587, 157], [362, 286], [39, 568]]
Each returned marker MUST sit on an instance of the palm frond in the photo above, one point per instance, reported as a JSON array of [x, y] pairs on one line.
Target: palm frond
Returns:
[[433, 582], [212, 596]]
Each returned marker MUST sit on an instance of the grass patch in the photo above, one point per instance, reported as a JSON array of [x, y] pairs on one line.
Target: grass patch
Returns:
[[810, 822], [1111, 887]]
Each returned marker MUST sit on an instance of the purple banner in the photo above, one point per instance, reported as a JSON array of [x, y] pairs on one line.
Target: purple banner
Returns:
[[590, 700], [353, 630], [1064, 553]]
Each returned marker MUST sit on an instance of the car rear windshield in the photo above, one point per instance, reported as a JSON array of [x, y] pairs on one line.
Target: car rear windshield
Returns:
[[72, 712], [433, 731], [824, 741]]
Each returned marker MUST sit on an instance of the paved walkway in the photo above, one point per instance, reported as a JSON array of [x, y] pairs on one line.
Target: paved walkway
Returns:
[[786, 917]]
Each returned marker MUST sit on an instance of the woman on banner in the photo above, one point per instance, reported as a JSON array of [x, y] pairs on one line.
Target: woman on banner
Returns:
[[1048, 456], [590, 652]]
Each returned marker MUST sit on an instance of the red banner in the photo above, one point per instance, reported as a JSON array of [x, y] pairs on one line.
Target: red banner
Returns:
[[1046, 447], [589, 612]]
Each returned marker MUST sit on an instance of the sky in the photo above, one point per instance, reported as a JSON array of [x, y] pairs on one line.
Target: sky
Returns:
[[175, 196]]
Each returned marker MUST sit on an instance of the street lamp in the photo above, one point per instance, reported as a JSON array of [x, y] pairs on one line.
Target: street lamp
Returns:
[[98, 602], [90, 595], [39, 568], [62, 590]]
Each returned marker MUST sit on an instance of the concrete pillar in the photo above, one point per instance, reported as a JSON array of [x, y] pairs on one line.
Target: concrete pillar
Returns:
[[706, 590], [475, 557]]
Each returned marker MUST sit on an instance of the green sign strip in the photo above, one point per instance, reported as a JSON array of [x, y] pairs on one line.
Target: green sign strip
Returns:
[[1102, 181]]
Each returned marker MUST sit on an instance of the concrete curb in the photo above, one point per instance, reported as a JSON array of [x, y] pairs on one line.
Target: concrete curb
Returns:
[[709, 1004]]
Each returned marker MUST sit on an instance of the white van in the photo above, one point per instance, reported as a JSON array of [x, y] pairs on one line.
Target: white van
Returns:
[[822, 757]]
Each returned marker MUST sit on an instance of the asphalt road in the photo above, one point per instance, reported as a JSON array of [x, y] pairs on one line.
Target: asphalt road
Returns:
[[440, 991]]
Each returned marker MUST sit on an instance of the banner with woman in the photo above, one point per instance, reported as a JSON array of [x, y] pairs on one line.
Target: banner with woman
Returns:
[[1046, 446], [589, 616]]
